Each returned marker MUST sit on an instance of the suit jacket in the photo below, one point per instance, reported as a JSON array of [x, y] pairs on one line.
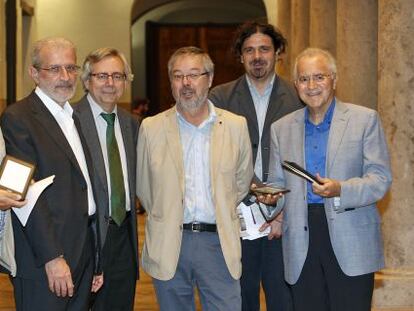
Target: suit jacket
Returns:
[[357, 156], [129, 130], [235, 97], [160, 187], [59, 220]]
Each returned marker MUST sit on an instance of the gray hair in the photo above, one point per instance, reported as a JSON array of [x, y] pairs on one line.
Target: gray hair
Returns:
[[57, 42], [193, 51], [312, 52], [98, 55]]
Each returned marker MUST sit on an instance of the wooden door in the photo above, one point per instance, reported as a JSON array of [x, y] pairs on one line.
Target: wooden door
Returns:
[[162, 40]]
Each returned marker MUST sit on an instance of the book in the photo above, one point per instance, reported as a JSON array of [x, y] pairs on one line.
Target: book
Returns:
[[296, 169]]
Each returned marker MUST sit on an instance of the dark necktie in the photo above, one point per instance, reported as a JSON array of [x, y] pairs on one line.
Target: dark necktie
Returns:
[[116, 177]]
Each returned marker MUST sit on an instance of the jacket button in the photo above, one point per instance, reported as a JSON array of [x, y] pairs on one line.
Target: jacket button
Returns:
[[305, 228], [255, 146]]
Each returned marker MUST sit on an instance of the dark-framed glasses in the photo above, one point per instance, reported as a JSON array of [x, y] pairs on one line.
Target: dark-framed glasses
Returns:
[[317, 78], [55, 69], [190, 77], [104, 76]]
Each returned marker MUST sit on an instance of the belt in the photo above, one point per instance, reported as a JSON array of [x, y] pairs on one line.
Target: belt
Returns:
[[200, 227], [315, 205], [112, 222]]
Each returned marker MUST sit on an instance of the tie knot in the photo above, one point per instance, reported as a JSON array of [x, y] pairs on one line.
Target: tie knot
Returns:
[[109, 118]]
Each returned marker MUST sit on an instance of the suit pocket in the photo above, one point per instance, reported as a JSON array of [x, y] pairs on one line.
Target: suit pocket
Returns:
[[154, 238]]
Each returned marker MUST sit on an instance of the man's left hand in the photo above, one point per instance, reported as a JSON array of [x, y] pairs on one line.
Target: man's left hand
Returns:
[[329, 188], [275, 228], [97, 282]]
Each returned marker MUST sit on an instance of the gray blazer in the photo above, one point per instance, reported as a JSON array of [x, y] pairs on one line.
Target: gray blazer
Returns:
[[129, 129], [235, 97], [357, 156]]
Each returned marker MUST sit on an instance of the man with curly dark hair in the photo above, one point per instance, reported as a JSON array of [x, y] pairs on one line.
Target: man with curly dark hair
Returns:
[[262, 97]]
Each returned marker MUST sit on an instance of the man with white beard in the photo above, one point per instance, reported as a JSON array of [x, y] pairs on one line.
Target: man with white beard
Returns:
[[194, 167]]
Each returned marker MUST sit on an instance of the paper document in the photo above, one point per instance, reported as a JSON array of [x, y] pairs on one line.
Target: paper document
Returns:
[[251, 219], [35, 190]]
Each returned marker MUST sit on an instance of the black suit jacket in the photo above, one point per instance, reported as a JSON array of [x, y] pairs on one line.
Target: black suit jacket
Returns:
[[59, 221], [129, 130], [235, 96]]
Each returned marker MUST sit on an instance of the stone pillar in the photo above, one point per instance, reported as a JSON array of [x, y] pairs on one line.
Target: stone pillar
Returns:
[[282, 22], [323, 25], [395, 285], [299, 35], [356, 51]]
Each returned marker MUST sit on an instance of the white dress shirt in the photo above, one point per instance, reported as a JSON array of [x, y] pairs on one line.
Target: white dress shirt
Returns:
[[63, 116], [101, 126]]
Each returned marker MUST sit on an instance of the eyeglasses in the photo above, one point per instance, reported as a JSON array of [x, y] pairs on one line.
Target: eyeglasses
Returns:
[[55, 69], [104, 76], [191, 77], [317, 78]]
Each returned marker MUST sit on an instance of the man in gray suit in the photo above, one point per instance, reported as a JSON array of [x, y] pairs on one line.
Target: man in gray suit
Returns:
[[262, 97], [111, 135], [331, 228]]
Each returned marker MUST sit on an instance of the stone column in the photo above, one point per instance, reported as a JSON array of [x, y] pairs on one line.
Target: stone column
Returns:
[[323, 25], [395, 285], [356, 51], [299, 35], [282, 22]]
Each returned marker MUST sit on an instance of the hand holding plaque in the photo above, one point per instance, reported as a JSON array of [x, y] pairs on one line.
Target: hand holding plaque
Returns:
[[267, 196], [15, 175]]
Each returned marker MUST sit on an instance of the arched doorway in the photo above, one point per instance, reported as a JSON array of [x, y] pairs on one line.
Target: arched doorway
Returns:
[[160, 27]]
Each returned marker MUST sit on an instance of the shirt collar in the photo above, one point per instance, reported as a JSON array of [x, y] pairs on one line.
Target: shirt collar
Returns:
[[327, 118], [96, 109], [212, 115], [53, 106], [268, 88]]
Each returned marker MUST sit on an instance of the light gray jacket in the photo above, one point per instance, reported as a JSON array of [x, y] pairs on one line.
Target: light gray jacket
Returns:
[[357, 156]]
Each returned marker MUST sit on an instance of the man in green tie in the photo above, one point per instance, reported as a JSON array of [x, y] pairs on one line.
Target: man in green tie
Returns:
[[111, 134]]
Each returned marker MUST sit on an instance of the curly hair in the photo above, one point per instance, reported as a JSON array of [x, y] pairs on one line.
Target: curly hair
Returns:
[[250, 28]]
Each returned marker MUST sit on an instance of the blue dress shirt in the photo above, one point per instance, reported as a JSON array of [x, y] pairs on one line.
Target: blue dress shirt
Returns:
[[316, 142]]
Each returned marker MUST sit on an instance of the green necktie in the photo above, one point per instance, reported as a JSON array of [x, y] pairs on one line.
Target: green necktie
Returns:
[[118, 211]]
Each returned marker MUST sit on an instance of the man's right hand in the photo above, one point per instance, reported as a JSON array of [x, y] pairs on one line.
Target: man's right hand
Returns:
[[59, 277], [9, 199], [268, 199]]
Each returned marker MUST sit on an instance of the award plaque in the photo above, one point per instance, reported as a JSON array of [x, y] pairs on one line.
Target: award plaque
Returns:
[[15, 175]]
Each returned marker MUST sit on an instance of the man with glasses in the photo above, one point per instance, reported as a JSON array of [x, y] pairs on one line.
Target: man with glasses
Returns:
[[55, 251], [194, 167], [262, 97], [332, 241], [111, 135]]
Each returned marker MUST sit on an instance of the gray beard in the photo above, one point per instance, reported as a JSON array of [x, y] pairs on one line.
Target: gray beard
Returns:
[[193, 106]]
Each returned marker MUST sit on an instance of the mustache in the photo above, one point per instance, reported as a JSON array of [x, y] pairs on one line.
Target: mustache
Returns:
[[187, 89], [258, 61], [65, 84]]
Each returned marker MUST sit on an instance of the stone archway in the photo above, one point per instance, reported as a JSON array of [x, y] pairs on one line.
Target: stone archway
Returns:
[[182, 11]]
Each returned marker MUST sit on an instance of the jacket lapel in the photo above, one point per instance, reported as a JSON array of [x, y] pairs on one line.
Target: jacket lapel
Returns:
[[336, 133], [247, 105], [84, 113], [297, 131], [174, 144], [52, 128], [275, 103], [216, 147], [129, 144]]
